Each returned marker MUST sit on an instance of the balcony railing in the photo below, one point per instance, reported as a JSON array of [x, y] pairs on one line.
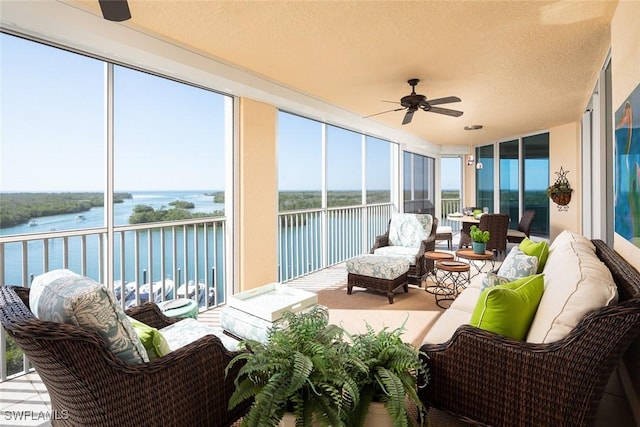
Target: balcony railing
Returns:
[[182, 259], [449, 206], [310, 240]]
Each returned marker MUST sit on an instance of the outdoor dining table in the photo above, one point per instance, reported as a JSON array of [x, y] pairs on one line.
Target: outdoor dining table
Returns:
[[465, 232]]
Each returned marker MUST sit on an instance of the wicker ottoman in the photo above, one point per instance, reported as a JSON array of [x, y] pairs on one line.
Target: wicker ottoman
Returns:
[[382, 273]]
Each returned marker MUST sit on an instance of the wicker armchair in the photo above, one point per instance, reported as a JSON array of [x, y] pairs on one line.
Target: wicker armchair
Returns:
[[184, 388], [421, 265], [485, 379], [496, 225]]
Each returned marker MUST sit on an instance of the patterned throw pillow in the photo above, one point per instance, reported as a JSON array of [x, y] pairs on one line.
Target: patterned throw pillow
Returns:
[[492, 279], [80, 301], [539, 250], [517, 264]]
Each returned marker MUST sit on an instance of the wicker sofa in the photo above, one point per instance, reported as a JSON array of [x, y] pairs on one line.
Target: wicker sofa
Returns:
[[486, 379], [409, 236], [186, 387]]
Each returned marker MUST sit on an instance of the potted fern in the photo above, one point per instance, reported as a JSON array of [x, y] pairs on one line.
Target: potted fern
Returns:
[[305, 370], [479, 239], [391, 378]]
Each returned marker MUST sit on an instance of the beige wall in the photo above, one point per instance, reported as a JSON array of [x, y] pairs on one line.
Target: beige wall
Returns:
[[258, 189], [625, 66], [564, 151]]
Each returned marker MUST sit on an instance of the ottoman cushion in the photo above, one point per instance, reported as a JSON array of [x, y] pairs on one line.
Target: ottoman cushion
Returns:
[[381, 267]]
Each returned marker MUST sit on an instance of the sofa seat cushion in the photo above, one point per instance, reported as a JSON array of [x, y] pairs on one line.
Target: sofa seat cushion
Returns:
[[508, 309], [409, 230], [409, 254], [446, 325], [467, 300], [576, 282], [66, 297], [189, 330], [381, 267]]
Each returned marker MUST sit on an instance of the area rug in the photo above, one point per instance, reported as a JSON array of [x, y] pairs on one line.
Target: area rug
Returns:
[[367, 299]]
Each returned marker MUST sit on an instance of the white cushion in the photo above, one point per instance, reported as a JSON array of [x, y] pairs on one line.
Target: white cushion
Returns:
[[446, 325], [189, 330], [576, 282], [566, 237], [76, 300], [408, 253], [444, 229], [467, 300]]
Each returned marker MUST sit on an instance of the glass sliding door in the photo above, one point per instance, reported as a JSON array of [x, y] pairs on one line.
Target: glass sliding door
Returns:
[[510, 181], [484, 177], [535, 150], [419, 184]]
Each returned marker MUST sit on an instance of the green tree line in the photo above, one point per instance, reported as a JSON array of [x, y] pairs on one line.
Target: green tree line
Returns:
[[19, 208]]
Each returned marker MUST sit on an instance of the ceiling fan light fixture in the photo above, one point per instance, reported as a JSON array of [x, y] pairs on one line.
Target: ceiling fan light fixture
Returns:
[[115, 10]]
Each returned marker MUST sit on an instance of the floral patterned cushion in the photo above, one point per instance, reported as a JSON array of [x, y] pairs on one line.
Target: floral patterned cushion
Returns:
[[77, 300], [517, 264], [382, 267], [491, 279], [409, 229], [189, 330]]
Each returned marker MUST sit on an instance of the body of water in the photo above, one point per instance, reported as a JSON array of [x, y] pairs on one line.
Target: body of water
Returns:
[[180, 266]]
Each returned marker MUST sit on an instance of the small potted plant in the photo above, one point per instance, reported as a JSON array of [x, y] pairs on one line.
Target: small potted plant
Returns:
[[390, 381], [479, 239], [305, 371]]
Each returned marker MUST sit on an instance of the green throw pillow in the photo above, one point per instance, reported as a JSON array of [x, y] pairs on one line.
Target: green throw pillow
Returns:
[[509, 309], [539, 250], [151, 339]]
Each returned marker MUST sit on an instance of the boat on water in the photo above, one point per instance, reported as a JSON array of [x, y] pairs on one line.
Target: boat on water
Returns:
[[33, 223], [80, 218]]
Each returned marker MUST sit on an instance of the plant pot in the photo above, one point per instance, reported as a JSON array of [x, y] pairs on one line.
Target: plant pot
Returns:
[[378, 416], [561, 199], [478, 248]]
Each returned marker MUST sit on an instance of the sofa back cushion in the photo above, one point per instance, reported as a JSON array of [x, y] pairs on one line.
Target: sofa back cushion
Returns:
[[576, 282], [66, 297], [409, 229]]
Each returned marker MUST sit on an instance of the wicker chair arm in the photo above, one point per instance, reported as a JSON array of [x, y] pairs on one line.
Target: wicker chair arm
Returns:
[[381, 241], [150, 314], [495, 380]]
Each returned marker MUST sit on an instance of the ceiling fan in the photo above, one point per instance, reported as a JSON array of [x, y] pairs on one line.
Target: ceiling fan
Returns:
[[115, 10], [415, 101]]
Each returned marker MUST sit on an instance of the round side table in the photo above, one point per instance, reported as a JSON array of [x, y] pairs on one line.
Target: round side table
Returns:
[[454, 275], [435, 256], [181, 307], [484, 259]]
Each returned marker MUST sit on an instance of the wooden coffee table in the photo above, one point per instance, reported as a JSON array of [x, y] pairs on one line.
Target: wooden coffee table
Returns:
[[472, 257]]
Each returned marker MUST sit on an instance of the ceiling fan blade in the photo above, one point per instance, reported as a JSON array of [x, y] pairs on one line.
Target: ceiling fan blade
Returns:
[[445, 111], [408, 116], [392, 102], [383, 112], [446, 100], [115, 10]]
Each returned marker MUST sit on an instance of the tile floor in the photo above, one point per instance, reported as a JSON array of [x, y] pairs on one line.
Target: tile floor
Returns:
[[24, 401]]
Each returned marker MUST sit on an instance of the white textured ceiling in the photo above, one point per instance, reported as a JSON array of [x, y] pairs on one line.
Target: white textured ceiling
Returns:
[[518, 66]]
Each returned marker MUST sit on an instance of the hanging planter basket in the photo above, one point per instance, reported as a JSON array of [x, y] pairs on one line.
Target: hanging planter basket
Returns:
[[561, 199], [560, 191]]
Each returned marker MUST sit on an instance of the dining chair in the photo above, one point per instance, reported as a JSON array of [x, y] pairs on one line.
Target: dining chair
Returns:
[[524, 227], [496, 225]]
